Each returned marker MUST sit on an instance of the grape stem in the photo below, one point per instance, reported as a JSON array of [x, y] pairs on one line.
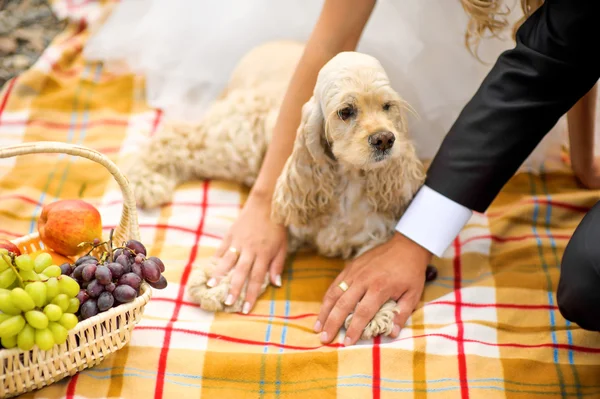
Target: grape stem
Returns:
[[11, 263], [35, 281], [110, 244], [129, 249], [94, 246]]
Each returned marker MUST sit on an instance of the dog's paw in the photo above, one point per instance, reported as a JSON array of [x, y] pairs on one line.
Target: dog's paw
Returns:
[[381, 324], [151, 189], [213, 299]]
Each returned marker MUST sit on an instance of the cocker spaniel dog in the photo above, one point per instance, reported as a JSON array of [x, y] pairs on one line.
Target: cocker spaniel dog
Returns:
[[351, 175]]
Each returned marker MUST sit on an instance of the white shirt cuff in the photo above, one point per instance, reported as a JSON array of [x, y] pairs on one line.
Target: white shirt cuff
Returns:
[[433, 221]]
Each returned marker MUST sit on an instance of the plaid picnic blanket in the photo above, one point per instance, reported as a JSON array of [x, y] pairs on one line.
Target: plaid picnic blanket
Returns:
[[488, 327]]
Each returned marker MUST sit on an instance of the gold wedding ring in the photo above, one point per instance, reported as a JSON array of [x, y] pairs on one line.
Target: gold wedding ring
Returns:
[[344, 286], [234, 251]]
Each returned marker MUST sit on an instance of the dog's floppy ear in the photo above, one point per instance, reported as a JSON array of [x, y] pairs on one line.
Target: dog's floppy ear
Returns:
[[305, 187]]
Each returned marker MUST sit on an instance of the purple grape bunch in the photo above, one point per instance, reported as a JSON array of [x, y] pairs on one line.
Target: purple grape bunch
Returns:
[[113, 280]]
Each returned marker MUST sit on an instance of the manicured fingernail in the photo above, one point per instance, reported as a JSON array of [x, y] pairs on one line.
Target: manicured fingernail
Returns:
[[317, 327], [324, 337], [246, 308], [229, 300], [347, 341], [212, 282], [395, 330], [278, 280]]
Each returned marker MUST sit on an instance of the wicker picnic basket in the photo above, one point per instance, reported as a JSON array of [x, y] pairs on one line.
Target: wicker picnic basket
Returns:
[[92, 339]]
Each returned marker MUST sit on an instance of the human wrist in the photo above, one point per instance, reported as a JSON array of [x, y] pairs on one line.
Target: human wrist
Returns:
[[586, 172], [261, 194], [409, 248]]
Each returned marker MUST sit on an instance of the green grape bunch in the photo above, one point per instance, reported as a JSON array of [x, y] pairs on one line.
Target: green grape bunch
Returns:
[[38, 304]]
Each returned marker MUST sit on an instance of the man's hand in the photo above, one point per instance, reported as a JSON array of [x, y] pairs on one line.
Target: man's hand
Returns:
[[394, 270]]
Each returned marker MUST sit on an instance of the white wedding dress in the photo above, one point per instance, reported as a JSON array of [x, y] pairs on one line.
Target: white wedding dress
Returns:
[[186, 50]]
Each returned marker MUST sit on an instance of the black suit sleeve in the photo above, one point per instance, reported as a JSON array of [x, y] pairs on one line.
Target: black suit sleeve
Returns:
[[554, 64]]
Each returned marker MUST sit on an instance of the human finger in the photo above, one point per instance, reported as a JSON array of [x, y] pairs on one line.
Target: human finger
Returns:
[[224, 246], [331, 296], [277, 265], [364, 313], [255, 285], [404, 308], [224, 264], [345, 305], [239, 276]]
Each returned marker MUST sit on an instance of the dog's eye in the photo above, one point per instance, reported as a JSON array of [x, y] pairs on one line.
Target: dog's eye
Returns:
[[346, 113], [387, 106]]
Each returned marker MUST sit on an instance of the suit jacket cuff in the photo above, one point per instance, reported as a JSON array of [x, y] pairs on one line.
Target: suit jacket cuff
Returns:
[[433, 221]]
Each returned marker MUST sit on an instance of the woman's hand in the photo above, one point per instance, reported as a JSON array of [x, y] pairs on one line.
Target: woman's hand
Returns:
[[394, 270], [261, 247]]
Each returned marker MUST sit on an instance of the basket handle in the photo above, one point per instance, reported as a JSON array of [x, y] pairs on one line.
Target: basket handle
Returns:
[[129, 218]]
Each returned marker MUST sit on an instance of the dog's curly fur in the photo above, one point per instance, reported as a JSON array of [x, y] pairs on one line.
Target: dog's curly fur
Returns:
[[338, 193]]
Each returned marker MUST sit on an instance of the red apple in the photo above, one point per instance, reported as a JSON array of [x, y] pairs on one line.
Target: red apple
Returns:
[[64, 224], [10, 247]]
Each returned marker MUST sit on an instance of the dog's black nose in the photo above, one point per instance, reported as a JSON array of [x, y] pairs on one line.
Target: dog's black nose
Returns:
[[382, 140]]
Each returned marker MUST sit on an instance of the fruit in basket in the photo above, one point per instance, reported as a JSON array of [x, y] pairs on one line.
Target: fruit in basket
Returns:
[[9, 246], [64, 224], [105, 301], [37, 292], [7, 278], [12, 326], [41, 262], [41, 301], [44, 339], [160, 284], [26, 338], [36, 309], [113, 276], [136, 246], [22, 299], [6, 305], [57, 259], [89, 309]]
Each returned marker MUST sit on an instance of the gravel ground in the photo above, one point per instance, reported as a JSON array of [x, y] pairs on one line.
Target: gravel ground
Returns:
[[26, 29]]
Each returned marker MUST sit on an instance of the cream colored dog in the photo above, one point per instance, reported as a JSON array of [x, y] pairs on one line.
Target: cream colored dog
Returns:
[[350, 177]]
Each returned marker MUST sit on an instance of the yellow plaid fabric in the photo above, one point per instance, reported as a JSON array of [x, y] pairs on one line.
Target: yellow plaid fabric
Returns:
[[488, 327]]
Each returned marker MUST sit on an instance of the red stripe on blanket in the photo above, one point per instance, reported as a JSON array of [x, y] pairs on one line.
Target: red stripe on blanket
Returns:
[[98, 204], [236, 340], [494, 305], [162, 363], [462, 361], [9, 89], [156, 122], [376, 368], [576, 348], [163, 226], [70, 394], [515, 238], [64, 126]]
